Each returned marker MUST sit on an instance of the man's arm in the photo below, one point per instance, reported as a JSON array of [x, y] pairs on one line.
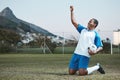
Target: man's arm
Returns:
[[72, 17]]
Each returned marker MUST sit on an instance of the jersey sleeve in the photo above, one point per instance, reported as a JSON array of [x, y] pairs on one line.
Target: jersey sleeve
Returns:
[[80, 28], [98, 41]]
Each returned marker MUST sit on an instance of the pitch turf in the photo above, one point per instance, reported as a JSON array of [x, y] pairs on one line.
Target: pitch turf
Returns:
[[54, 67]]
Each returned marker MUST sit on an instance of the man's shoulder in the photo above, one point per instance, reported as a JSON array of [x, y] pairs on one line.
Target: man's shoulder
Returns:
[[80, 28], [96, 34]]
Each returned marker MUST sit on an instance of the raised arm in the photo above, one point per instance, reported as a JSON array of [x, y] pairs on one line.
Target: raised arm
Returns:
[[72, 17]]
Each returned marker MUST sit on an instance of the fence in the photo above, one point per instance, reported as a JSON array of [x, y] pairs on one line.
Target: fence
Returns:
[[63, 44]]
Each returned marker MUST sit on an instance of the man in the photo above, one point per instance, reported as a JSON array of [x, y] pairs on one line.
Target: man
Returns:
[[80, 59]]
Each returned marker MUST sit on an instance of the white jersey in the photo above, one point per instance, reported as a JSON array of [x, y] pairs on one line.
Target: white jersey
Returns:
[[86, 38]]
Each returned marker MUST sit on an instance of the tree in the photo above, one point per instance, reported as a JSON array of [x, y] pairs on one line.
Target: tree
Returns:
[[8, 40]]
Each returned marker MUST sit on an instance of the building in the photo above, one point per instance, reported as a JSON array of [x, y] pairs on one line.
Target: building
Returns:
[[116, 37]]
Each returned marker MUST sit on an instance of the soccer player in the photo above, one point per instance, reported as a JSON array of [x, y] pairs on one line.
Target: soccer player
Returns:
[[80, 59]]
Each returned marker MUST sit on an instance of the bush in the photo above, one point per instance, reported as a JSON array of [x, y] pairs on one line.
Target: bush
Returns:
[[6, 47]]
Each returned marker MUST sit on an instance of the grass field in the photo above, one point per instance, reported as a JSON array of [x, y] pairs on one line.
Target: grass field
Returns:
[[54, 67]]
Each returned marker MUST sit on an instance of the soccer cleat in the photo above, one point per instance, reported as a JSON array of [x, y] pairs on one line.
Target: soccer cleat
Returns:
[[101, 70]]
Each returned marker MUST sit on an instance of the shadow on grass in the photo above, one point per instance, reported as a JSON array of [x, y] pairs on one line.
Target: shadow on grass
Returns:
[[52, 73]]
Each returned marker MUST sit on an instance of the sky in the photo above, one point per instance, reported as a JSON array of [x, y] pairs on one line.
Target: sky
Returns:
[[54, 15]]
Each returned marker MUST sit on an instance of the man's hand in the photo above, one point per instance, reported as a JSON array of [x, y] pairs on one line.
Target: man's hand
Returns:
[[92, 52], [71, 8]]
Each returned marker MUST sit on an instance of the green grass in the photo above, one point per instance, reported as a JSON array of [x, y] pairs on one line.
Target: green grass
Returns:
[[53, 67]]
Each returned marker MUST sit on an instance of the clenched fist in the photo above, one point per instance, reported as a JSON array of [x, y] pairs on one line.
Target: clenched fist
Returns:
[[71, 8]]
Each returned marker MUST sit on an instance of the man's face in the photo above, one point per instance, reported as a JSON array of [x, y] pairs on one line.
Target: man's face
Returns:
[[91, 24]]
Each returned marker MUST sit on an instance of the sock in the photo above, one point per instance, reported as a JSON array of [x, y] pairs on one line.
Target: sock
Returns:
[[92, 69]]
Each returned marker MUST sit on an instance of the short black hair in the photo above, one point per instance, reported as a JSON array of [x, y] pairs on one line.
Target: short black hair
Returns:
[[95, 22]]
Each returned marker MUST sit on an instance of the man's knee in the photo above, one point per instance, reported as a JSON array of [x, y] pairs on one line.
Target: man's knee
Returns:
[[82, 72], [72, 72]]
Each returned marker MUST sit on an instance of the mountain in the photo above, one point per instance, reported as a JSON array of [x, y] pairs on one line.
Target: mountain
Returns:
[[7, 12], [9, 21]]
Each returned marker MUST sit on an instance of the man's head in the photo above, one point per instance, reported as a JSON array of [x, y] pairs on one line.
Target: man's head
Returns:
[[92, 24]]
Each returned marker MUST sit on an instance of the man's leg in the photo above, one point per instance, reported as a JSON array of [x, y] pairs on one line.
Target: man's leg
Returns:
[[83, 65], [72, 71], [90, 70], [73, 65], [95, 68], [83, 72]]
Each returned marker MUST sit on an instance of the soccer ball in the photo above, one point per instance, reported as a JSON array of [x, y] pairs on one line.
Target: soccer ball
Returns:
[[92, 47]]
